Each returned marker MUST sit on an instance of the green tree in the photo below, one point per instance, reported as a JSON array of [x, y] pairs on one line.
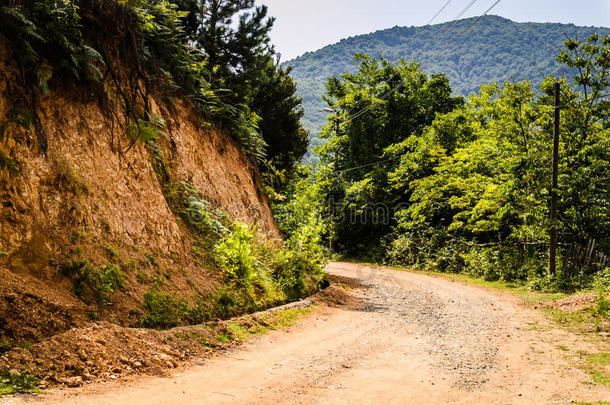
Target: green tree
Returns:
[[380, 105], [481, 174], [244, 69]]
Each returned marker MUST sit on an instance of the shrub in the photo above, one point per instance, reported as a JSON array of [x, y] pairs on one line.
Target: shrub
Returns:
[[197, 212], [101, 282], [5, 346], [13, 384], [234, 254], [164, 311]]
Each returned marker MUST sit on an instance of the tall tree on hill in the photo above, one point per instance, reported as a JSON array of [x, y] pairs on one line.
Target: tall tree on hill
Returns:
[[243, 62]]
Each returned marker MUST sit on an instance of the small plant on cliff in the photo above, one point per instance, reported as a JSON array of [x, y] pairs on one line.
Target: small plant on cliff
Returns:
[[16, 118], [164, 311], [197, 212], [5, 345], [234, 254], [101, 282]]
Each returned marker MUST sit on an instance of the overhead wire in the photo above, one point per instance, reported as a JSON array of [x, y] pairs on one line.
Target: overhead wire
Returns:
[[395, 88], [415, 36]]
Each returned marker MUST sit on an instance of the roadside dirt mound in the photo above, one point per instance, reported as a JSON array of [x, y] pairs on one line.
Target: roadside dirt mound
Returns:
[[101, 351], [575, 303], [340, 292], [30, 310]]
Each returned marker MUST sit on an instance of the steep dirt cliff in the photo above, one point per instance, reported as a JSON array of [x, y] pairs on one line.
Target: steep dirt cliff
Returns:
[[88, 198]]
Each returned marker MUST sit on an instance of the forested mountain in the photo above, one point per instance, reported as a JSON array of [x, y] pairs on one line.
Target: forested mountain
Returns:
[[494, 49]]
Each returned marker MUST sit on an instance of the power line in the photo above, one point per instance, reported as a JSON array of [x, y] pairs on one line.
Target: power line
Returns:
[[461, 13], [415, 36], [392, 90], [466, 8], [438, 12], [367, 165]]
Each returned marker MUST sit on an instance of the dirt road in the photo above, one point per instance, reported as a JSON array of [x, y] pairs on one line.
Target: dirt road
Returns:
[[404, 338]]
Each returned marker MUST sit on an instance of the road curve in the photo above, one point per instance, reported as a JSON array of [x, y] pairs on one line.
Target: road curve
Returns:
[[402, 338]]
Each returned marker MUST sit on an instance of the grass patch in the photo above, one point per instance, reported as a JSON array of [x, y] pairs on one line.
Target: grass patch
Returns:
[[602, 359], [593, 403], [244, 330], [600, 377], [164, 311], [224, 337], [288, 317], [112, 252], [597, 366], [5, 345], [243, 333], [213, 335]]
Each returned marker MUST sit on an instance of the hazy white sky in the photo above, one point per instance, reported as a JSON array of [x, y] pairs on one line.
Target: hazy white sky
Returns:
[[307, 25]]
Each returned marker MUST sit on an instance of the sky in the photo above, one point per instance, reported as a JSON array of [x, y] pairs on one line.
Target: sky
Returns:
[[308, 25]]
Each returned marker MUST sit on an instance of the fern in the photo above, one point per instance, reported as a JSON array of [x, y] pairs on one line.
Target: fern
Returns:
[[8, 164]]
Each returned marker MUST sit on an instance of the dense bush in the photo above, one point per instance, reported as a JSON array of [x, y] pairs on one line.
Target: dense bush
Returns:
[[469, 186], [100, 282]]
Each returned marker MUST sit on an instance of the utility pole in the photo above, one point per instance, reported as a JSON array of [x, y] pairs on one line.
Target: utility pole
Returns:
[[336, 121], [553, 229]]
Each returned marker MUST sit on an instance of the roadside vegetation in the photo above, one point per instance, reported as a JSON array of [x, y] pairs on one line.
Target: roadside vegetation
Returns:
[[257, 272], [214, 56], [410, 175]]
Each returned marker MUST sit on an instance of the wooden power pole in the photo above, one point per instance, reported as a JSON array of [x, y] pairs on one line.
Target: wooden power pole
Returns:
[[553, 229]]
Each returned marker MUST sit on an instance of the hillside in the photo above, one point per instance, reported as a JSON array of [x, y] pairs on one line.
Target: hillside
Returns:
[[131, 195], [495, 49]]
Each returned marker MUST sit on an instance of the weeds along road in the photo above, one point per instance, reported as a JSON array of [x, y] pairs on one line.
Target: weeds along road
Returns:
[[393, 337]]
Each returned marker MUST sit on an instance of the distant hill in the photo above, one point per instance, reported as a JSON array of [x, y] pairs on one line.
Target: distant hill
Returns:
[[494, 49]]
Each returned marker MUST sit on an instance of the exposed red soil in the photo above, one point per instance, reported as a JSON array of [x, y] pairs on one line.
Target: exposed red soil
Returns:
[[101, 351], [89, 199], [575, 303]]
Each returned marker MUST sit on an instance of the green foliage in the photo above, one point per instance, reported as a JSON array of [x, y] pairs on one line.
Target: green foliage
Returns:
[[601, 283], [145, 131], [602, 305], [16, 118], [8, 164], [48, 35], [196, 212], [257, 272], [20, 383], [100, 282], [495, 50], [179, 48], [234, 254], [468, 184], [274, 99], [265, 117], [164, 311], [355, 183], [5, 346]]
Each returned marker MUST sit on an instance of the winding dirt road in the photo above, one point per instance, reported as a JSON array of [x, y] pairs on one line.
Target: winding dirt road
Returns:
[[402, 338]]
